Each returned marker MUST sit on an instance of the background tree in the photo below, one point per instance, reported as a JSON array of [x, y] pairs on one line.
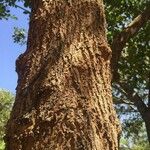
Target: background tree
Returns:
[[6, 101], [129, 34]]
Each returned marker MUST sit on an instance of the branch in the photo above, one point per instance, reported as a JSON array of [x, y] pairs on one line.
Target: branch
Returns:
[[120, 40], [135, 98], [25, 10], [121, 101]]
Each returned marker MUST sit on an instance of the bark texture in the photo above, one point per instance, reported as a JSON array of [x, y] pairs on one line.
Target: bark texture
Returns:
[[63, 99]]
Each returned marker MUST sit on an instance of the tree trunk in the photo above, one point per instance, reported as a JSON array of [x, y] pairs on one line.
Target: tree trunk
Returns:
[[147, 125], [146, 118], [63, 99]]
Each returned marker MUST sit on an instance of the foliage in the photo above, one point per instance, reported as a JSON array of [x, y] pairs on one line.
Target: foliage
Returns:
[[134, 64], [6, 4], [135, 141], [19, 35], [6, 101], [4, 8], [142, 145]]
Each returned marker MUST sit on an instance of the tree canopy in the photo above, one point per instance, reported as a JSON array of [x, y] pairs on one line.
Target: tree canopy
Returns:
[[131, 58], [6, 101], [6, 4]]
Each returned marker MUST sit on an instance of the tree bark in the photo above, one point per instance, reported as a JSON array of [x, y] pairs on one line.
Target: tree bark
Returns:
[[63, 99]]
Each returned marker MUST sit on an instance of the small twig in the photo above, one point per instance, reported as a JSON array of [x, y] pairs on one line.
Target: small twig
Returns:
[[27, 11], [121, 101]]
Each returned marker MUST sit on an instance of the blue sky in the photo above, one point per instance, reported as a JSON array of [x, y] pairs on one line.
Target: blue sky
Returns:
[[9, 51]]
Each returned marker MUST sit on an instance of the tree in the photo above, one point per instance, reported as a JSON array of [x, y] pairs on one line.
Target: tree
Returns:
[[6, 100], [130, 55], [63, 98]]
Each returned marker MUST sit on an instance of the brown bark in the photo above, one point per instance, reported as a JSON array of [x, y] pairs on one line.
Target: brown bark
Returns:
[[63, 99]]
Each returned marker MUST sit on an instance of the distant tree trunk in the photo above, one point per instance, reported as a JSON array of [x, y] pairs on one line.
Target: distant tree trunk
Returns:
[[63, 99], [145, 113], [147, 125]]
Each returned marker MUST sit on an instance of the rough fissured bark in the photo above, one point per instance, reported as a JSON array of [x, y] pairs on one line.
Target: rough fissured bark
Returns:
[[64, 99]]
